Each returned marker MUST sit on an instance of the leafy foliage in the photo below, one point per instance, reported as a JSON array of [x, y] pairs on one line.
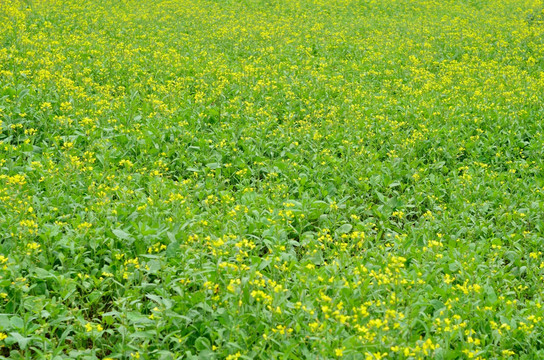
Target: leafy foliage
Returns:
[[271, 179]]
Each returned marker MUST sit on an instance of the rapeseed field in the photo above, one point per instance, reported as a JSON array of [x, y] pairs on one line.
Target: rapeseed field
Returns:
[[271, 179]]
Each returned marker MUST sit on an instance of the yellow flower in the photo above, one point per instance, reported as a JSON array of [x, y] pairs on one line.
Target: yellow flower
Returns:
[[234, 356], [508, 353]]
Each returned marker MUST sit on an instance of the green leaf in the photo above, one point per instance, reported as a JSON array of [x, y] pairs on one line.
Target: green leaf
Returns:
[[202, 343], [121, 234], [491, 295], [21, 340], [344, 229], [17, 322], [213, 166]]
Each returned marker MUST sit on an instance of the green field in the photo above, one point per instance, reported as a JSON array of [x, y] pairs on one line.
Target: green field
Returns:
[[271, 179]]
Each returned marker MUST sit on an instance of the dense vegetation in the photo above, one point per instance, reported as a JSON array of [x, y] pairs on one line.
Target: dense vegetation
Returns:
[[271, 179]]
